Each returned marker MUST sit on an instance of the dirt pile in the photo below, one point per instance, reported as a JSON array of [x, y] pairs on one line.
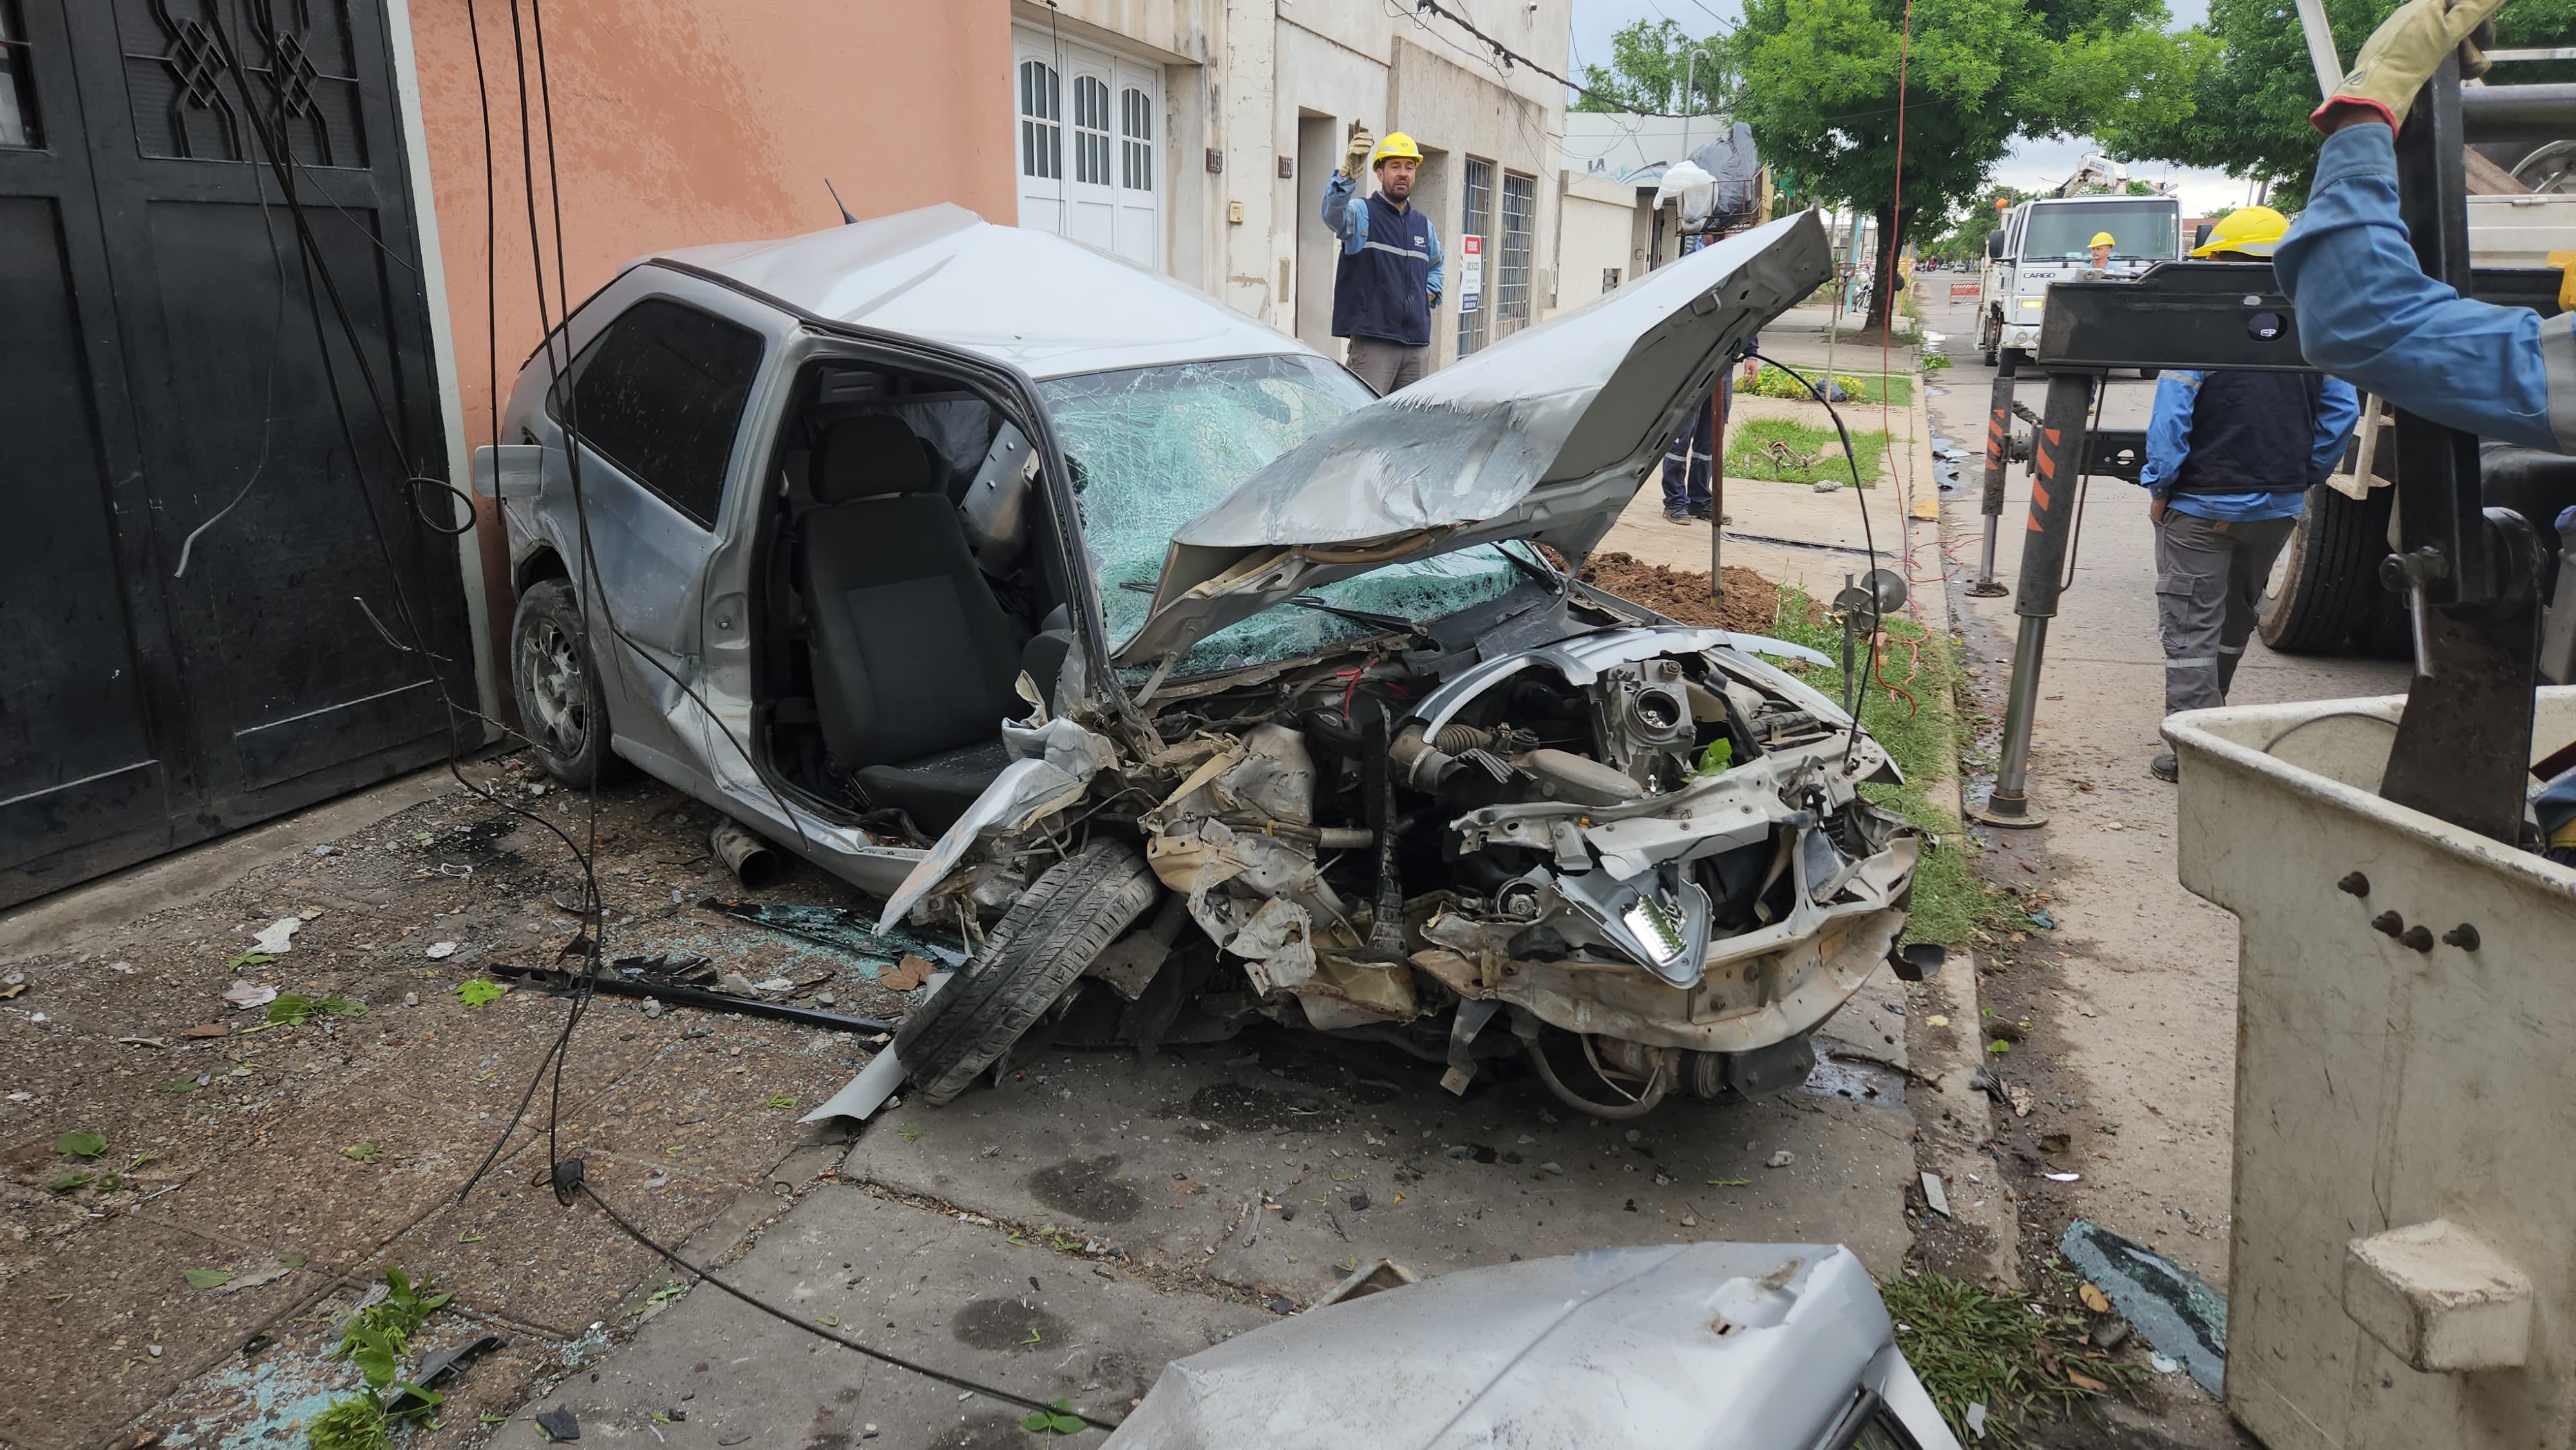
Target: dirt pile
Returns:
[[1751, 603]]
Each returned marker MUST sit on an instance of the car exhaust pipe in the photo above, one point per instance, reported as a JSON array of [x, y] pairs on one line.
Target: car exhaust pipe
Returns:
[[752, 860]]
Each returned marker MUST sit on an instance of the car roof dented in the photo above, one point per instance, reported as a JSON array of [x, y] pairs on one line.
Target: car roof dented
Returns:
[[1039, 302]]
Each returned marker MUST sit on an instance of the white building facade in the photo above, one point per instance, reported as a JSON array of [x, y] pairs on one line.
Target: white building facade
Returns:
[[1196, 136]]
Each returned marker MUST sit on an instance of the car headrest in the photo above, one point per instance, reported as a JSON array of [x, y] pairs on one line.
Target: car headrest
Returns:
[[875, 455]]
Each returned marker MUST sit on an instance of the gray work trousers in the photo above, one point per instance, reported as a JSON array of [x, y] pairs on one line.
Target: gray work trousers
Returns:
[[1386, 366], [2209, 580]]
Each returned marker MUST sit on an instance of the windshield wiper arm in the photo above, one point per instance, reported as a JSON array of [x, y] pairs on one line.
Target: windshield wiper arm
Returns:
[[1389, 622]]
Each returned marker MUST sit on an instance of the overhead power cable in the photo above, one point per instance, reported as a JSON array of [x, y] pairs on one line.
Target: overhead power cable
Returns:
[[1434, 7]]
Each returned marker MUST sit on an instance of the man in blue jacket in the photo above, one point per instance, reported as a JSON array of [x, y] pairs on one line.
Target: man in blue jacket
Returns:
[[1389, 277], [2230, 458]]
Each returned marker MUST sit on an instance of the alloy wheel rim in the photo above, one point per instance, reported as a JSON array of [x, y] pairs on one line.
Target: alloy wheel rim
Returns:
[[553, 691]]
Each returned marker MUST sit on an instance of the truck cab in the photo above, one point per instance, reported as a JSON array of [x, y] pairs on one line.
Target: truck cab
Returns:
[[2044, 241]]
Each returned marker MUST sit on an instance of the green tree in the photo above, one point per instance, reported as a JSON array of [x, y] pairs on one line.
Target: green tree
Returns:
[[1819, 81], [1966, 240], [1652, 66], [2250, 103]]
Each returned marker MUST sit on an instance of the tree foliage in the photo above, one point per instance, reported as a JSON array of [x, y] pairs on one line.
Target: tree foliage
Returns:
[[1652, 68], [1820, 88], [1965, 241], [2250, 101]]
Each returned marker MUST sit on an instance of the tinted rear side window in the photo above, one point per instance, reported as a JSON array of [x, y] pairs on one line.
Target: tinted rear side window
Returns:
[[660, 394]]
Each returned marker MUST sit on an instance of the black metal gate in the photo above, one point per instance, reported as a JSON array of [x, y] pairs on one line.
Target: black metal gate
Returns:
[[159, 363]]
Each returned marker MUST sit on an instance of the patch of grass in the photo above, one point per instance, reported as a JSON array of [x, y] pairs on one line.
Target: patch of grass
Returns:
[[1951, 905], [1867, 387], [1791, 452], [1971, 1347]]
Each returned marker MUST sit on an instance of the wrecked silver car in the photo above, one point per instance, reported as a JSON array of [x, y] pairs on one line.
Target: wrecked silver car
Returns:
[[1052, 600]]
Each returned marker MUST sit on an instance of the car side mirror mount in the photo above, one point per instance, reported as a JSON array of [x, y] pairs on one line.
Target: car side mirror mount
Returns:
[[2200, 235], [1994, 246], [509, 470]]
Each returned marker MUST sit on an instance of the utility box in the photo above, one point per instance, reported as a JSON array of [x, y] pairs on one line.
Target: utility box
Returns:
[[2402, 1270]]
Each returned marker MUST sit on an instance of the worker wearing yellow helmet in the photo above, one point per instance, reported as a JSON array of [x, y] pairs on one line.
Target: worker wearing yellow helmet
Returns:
[[2230, 458], [2100, 247], [1388, 280]]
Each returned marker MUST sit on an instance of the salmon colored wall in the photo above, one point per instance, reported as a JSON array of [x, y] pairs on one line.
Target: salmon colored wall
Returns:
[[678, 122]]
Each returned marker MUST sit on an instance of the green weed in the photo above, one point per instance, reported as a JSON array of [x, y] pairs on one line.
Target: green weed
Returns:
[[1789, 451], [1969, 1346]]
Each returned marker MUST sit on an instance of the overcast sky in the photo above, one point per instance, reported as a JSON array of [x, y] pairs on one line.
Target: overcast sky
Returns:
[[2030, 165]]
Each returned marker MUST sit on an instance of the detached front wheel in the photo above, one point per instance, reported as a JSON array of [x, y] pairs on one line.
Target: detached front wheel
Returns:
[[562, 708], [1057, 927]]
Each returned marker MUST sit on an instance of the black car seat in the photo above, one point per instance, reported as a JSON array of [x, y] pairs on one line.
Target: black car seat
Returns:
[[914, 662]]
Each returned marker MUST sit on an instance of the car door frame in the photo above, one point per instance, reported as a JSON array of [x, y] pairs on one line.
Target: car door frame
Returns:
[[660, 717]]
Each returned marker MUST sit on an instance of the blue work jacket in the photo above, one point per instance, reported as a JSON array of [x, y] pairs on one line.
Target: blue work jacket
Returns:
[[1374, 270], [2169, 442], [2367, 312]]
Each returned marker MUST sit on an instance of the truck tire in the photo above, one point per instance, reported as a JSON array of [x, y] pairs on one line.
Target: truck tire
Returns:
[[2327, 578], [1063, 921], [1989, 333]]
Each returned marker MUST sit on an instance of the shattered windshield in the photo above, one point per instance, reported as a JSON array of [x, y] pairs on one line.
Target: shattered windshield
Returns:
[[1152, 448]]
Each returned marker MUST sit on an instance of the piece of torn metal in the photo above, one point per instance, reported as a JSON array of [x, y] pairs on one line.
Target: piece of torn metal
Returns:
[[864, 1094], [1054, 762]]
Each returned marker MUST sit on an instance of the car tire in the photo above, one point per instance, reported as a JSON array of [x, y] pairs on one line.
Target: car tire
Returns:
[[1988, 334], [2322, 589], [563, 711], [1055, 930]]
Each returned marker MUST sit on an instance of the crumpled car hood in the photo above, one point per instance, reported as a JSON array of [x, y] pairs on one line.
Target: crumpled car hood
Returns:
[[1545, 435], [1752, 1346]]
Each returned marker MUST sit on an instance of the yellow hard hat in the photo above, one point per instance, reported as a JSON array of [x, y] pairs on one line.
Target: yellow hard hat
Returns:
[[1396, 147], [2101, 239], [2252, 230]]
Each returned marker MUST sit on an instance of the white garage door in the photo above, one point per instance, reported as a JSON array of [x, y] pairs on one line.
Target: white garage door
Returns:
[[1090, 144]]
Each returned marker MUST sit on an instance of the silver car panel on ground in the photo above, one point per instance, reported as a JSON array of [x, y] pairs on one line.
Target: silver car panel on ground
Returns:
[[1594, 834], [1672, 1347]]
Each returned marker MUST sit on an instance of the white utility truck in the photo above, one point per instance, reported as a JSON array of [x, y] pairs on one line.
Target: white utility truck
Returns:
[[2046, 240]]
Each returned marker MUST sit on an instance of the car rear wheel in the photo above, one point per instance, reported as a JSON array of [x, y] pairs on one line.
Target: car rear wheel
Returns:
[[562, 709], [2327, 576], [1057, 927]]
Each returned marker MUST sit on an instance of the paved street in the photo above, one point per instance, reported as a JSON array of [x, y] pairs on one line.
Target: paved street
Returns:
[[2132, 998]]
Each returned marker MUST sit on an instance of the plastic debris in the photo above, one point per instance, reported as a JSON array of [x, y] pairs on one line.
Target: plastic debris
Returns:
[[439, 950], [1977, 1419], [1781, 1159], [1937, 1197], [2061, 1177], [2183, 1318], [559, 1423], [278, 938], [246, 995]]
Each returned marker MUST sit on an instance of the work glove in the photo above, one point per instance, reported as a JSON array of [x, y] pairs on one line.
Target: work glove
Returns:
[[1362, 143], [2404, 52]]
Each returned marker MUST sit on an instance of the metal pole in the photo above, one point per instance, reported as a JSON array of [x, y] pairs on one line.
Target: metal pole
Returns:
[[2060, 451], [1998, 455], [1717, 482], [2321, 46]]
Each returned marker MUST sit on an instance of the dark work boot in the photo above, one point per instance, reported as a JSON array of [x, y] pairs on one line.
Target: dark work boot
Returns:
[[2162, 767]]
